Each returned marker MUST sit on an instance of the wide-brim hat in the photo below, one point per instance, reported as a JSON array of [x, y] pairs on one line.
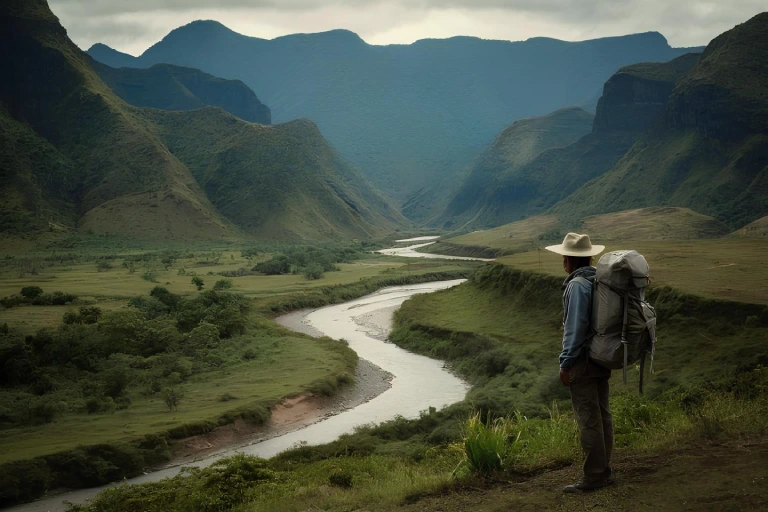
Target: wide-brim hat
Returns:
[[575, 244]]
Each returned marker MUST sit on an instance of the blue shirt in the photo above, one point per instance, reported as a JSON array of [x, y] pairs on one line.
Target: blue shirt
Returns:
[[577, 313]]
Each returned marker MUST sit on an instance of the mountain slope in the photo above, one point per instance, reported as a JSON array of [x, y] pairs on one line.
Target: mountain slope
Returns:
[[77, 153], [170, 87], [116, 158], [632, 100], [515, 147], [381, 106], [711, 150], [283, 182]]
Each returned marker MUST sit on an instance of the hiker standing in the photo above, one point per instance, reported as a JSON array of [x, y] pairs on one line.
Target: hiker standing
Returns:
[[587, 380]]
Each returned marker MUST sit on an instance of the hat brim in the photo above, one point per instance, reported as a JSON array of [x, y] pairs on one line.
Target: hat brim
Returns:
[[559, 249]]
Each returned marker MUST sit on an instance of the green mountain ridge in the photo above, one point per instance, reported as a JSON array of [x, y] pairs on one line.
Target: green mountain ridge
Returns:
[[632, 100], [379, 105], [80, 157], [709, 150], [168, 87], [516, 146]]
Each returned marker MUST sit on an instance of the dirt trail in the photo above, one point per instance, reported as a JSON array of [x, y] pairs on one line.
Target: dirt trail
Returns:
[[730, 477]]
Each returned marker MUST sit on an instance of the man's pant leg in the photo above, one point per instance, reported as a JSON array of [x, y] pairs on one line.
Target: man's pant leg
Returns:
[[603, 389], [586, 391]]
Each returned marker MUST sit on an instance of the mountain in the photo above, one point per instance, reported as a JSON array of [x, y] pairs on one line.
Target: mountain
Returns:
[[709, 150], [499, 191], [514, 148], [409, 116], [75, 155], [282, 182], [170, 87]]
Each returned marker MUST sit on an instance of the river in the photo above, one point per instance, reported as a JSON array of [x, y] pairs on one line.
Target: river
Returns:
[[418, 382]]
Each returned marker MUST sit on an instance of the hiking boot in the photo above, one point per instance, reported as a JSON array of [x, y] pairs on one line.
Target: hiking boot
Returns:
[[588, 485]]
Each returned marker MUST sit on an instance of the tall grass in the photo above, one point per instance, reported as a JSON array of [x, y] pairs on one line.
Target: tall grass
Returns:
[[519, 443]]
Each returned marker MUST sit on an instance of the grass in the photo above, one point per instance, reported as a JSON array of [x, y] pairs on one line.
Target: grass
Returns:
[[725, 268], [285, 366], [111, 289]]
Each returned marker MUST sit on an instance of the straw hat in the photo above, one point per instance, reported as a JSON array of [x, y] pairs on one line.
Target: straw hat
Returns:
[[576, 245]]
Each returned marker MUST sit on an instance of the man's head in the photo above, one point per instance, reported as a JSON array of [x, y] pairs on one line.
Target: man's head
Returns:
[[577, 251], [573, 263]]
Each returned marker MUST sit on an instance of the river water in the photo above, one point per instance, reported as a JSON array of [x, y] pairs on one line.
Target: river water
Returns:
[[418, 382], [411, 252]]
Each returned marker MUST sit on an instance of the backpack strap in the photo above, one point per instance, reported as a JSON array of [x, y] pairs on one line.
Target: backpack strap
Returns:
[[642, 368], [624, 333]]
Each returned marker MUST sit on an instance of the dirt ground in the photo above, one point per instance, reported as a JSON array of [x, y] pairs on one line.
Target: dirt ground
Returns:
[[708, 477]]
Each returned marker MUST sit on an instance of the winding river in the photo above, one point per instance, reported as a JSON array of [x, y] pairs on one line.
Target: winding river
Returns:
[[418, 382]]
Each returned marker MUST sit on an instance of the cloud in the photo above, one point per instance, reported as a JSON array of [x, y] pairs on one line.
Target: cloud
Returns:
[[134, 25]]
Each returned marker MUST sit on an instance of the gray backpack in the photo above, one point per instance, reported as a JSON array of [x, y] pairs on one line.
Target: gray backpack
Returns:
[[623, 323]]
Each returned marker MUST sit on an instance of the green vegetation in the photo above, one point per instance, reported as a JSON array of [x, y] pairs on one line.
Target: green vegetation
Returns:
[[712, 128], [168, 87], [112, 379], [482, 198], [399, 130], [103, 166]]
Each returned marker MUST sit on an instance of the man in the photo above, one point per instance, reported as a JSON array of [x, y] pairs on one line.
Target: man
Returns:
[[587, 381]]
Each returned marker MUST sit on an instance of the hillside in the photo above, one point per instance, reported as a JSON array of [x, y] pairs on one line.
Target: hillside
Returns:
[[758, 228], [379, 104], [78, 156], [710, 150], [515, 147], [170, 87], [632, 100], [50, 88], [283, 182]]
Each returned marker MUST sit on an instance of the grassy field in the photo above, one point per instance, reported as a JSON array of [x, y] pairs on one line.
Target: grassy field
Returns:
[[729, 268], [111, 289], [286, 366]]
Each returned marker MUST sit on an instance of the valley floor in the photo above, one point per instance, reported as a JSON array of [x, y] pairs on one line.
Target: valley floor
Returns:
[[703, 476]]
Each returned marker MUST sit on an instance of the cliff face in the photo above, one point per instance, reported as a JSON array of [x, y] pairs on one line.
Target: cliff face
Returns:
[[170, 87], [726, 95], [709, 149], [636, 97]]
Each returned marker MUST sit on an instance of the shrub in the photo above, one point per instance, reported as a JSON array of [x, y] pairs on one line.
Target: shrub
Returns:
[[172, 398], [222, 284], [103, 266], [313, 271], [149, 275], [31, 292], [340, 479], [198, 282]]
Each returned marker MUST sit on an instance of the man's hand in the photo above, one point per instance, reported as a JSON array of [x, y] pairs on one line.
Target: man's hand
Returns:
[[565, 377]]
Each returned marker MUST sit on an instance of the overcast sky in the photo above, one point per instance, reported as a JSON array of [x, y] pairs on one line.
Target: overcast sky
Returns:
[[132, 26]]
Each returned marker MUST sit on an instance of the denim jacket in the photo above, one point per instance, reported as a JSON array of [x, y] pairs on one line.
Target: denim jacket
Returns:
[[577, 311]]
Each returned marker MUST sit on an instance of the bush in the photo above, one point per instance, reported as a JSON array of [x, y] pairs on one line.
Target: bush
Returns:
[[86, 315], [313, 271], [103, 266], [150, 276], [340, 479], [172, 398], [198, 282], [222, 284], [31, 292]]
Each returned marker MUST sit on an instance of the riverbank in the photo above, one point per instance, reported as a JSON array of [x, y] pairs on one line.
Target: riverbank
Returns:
[[365, 404]]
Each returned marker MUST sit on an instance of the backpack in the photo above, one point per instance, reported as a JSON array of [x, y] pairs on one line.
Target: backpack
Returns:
[[623, 323]]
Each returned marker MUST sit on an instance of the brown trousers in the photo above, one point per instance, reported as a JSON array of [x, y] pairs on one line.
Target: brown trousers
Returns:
[[589, 396]]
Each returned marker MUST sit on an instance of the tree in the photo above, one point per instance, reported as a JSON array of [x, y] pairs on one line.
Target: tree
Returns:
[[198, 281], [171, 397], [31, 292]]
